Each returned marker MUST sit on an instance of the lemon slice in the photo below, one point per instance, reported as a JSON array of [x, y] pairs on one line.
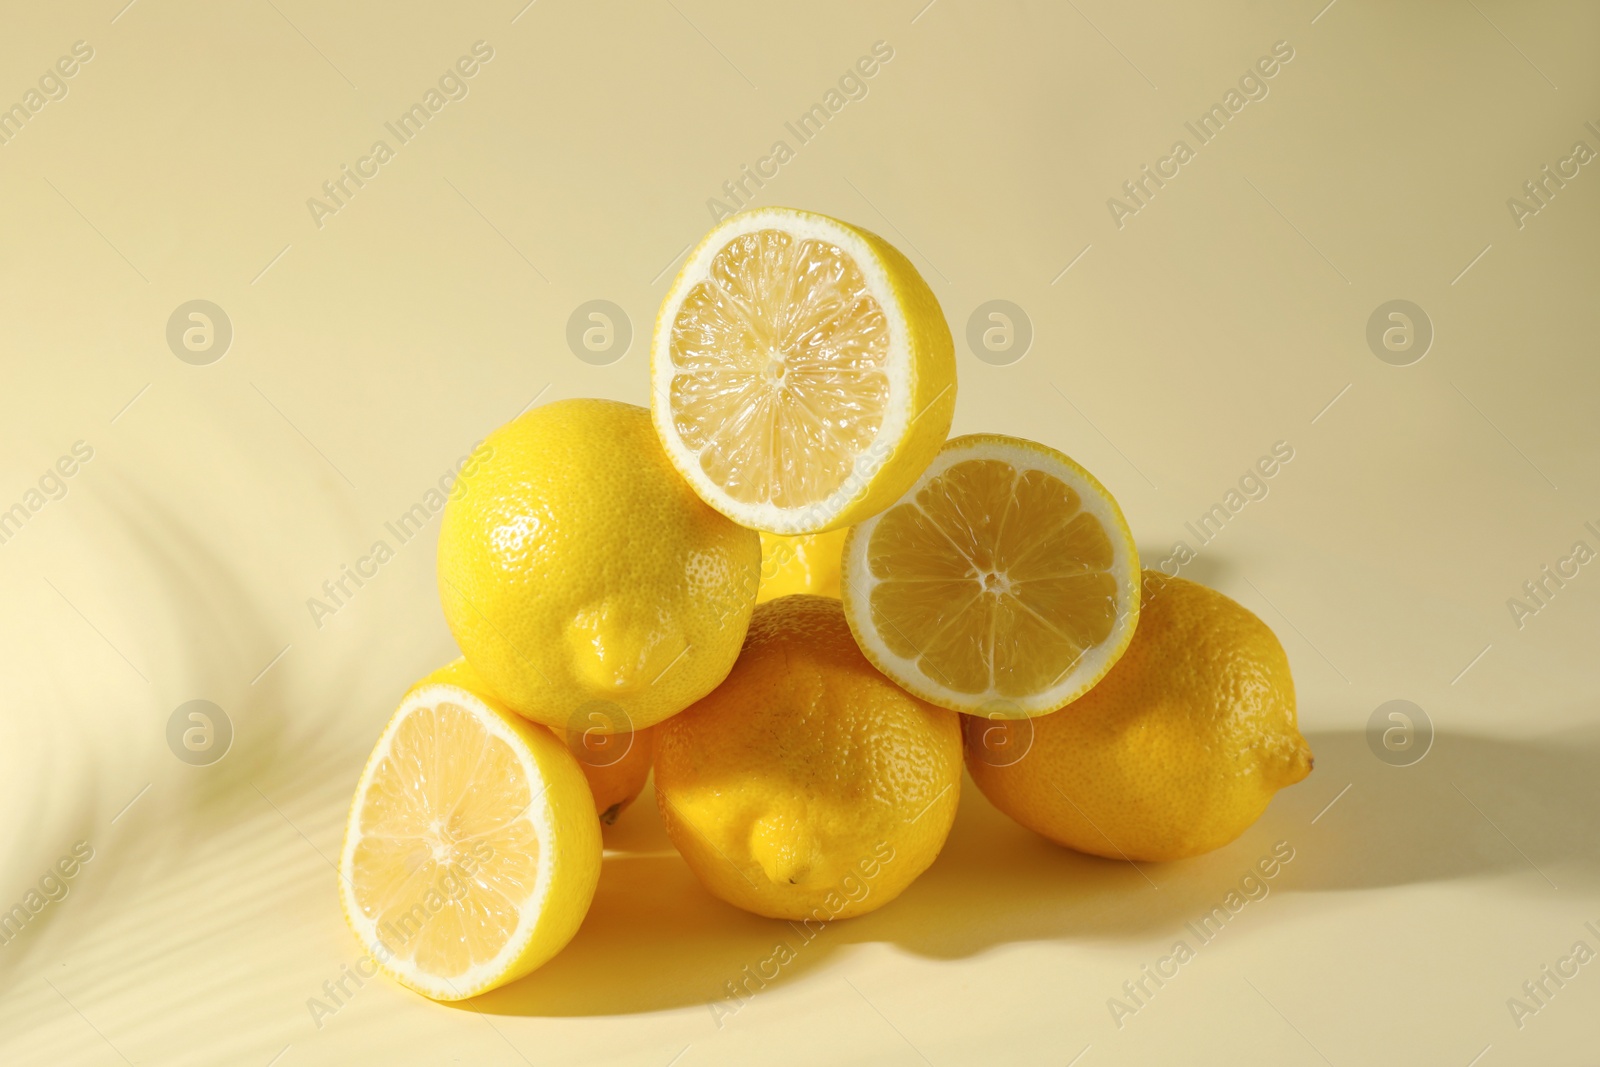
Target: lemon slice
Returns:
[[472, 850], [803, 374], [1005, 582]]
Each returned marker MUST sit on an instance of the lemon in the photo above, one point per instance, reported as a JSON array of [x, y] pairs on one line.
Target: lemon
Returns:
[[579, 572], [802, 563], [1176, 752], [615, 760], [802, 372], [616, 765], [1005, 580], [472, 849], [808, 786]]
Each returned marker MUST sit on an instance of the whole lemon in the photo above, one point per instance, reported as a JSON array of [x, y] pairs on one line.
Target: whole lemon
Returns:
[[1177, 750], [615, 764], [808, 786], [801, 563], [579, 573]]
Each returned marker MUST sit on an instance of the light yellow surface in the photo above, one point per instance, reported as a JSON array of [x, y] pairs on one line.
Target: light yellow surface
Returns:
[[1173, 353]]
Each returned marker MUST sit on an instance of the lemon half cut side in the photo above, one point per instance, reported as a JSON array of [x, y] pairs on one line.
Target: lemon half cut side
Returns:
[[1005, 582], [472, 851], [802, 371]]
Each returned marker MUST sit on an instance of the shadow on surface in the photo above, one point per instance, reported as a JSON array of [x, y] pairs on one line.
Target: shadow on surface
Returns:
[[190, 593], [1475, 806]]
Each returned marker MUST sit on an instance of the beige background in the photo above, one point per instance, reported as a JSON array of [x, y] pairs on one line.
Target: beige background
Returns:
[[370, 353]]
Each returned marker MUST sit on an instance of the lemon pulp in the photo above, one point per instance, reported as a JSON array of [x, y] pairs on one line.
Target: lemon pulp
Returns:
[[449, 798], [1004, 582], [1018, 571], [781, 351]]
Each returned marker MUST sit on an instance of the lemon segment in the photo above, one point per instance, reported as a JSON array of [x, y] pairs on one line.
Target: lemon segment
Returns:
[[1005, 579], [802, 371], [472, 849]]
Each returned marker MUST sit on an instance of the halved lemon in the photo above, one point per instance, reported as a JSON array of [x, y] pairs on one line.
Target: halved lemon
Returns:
[[1004, 583], [473, 848], [803, 374]]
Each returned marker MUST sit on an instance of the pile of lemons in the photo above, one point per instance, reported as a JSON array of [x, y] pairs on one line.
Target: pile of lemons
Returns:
[[787, 593]]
